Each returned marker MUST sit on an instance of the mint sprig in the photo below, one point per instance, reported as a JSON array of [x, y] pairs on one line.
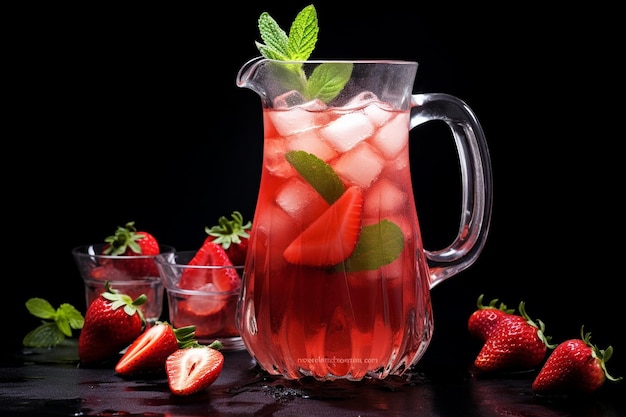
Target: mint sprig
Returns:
[[300, 43], [56, 324], [327, 80]]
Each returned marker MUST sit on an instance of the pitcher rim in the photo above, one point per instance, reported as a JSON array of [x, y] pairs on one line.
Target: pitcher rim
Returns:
[[336, 61]]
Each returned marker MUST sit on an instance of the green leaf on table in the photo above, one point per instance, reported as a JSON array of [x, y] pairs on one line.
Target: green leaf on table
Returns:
[[74, 317], [41, 308], [46, 335], [57, 324]]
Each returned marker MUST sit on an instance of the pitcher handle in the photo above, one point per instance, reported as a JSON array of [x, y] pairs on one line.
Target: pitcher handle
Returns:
[[476, 177]]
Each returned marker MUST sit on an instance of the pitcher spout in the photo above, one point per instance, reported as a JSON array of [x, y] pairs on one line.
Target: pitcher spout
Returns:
[[247, 75]]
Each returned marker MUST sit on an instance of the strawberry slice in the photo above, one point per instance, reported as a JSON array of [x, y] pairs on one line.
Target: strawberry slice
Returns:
[[150, 350], [193, 369], [210, 254], [332, 237]]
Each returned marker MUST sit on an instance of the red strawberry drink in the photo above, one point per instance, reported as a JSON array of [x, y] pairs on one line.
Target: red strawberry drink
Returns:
[[336, 281], [331, 285]]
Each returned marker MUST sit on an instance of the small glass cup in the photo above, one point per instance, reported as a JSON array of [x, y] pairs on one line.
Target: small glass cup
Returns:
[[212, 312], [95, 269]]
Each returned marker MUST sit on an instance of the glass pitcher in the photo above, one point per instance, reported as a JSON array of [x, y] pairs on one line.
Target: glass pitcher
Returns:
[[337, 282]]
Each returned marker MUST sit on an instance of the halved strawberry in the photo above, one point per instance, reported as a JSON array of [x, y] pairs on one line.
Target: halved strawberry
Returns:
[[213, 254], [332, 237], [193, 369], [150, 350]]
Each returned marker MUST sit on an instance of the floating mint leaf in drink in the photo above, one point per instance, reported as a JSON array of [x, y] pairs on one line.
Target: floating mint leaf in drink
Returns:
[[379, 244], [318, 173], [327, 80]]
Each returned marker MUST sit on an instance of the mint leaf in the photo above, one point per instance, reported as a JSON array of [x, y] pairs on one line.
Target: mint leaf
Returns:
[[46, 335], [276, 40], [327, 81], [41, 308], [295, 47], [379, 244], [303, 34], [74, 317], [318, 173], [57, 324]]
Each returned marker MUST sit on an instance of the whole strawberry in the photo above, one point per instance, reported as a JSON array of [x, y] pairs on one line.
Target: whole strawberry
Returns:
[[233, 236], [485, 318], [128, 241], [576, 366], [516, 343], [112, 322]]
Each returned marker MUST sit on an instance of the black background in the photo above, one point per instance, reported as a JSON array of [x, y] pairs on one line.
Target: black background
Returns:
[[119, 113]]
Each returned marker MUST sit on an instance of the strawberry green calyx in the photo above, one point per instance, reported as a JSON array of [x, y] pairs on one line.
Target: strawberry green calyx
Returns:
[[124, 238], [216, 344], [603, 355], [185, 336], [538, 324], [492, 304], [228, 232], [56, 324], [124, 301]]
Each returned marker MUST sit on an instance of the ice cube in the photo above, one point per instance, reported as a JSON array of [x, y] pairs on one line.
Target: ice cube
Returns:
[[314, 105], [295, 120], [383, 199], [348, 130], [300, 200], [361, 100], [288, 99], [311, 142], [359, 166], [378, 112], [274, 157], [393, 136]]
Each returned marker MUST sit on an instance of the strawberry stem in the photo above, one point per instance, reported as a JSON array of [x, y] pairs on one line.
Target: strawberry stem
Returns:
[[185, 336], [492, 304], [216, 344], [602, 355], [538, 324], [124, 300], [228, 232], [124, 238]]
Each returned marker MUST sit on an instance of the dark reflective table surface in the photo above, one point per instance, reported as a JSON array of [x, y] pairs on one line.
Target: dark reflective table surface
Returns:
[[49, 382]]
